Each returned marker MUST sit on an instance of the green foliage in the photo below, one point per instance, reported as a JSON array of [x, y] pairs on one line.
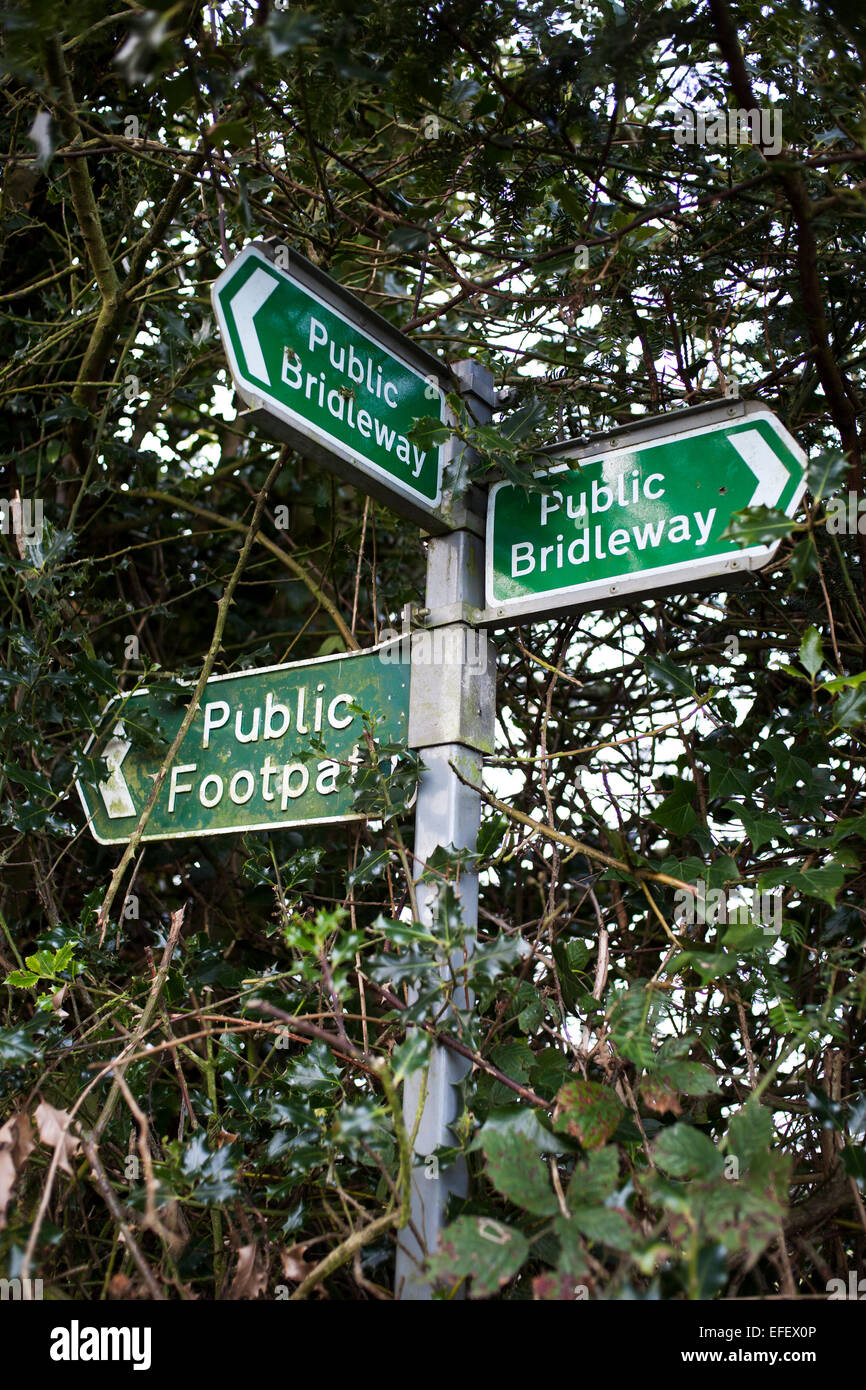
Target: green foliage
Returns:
[[588, 1112], [649, 1094]]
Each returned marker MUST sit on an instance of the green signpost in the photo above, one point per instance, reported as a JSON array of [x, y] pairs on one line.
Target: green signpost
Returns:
[[267, 749], [325, 373], [642, 513]]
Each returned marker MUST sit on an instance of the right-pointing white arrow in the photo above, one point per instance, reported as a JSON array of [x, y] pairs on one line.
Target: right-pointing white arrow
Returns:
[[245, 305], [114, 790], [768, 468]]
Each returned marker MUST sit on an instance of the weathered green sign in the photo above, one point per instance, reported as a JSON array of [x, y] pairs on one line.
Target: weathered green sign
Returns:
[[639, 515], [267, 749], [333, 378]]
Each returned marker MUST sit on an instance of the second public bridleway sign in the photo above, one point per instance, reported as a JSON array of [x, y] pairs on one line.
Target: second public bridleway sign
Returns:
[[642, 514], [267, 749], [328, 375]]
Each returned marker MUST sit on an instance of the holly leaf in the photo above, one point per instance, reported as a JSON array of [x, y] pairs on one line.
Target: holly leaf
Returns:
[[826, 473], [758, 526], [850, 708], [672, 679]]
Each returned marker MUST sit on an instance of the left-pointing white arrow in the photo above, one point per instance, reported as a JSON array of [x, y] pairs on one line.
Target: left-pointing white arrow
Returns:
[[768, 468], [114, 790], [245, 305]]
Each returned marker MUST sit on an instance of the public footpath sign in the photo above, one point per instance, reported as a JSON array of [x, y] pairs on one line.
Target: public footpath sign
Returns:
[[328, 375], [642, 514], [267, 749]]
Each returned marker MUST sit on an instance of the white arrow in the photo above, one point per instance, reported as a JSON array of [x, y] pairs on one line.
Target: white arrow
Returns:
[[245, 305], [114, 790], [768, 468]]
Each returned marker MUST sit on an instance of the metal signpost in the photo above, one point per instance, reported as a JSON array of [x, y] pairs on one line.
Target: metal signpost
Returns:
[[451, 723], [267, 749], [642, 509], [323, 372]]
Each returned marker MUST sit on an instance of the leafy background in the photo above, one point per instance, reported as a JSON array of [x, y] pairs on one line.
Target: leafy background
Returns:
[[201, 1085]]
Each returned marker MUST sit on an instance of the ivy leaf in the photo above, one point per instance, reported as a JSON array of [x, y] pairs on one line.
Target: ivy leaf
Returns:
[[677, 812], [762, 827], [727, 778], [823, 882]]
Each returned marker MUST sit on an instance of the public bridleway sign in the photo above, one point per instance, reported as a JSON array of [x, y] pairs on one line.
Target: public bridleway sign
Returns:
[[268, 748], [646, 512], [320, 370]]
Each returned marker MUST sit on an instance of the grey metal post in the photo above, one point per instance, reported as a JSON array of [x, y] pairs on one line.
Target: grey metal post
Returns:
[[451, 716]]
